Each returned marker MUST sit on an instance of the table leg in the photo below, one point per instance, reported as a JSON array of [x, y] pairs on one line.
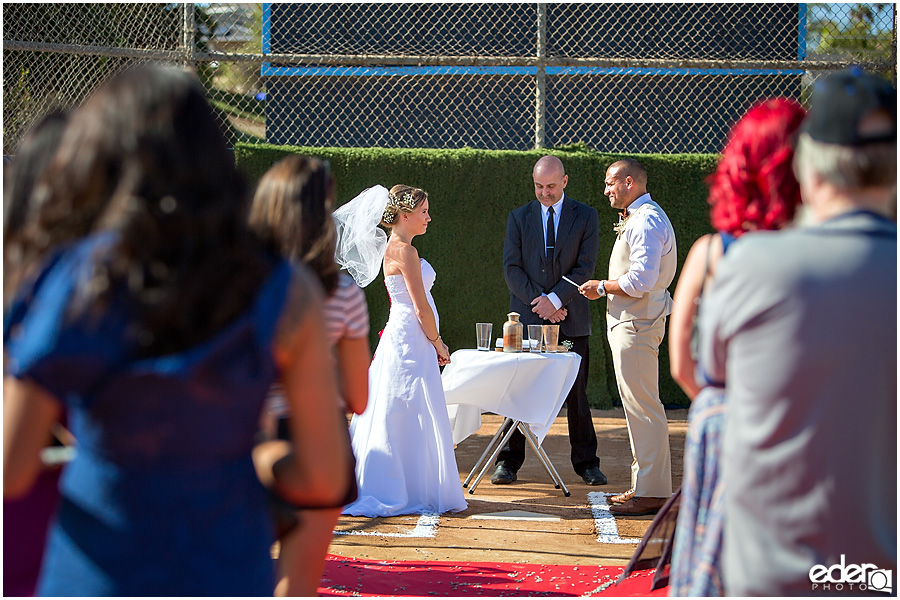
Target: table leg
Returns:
[[545, 460], [495, 452], [486, 451]]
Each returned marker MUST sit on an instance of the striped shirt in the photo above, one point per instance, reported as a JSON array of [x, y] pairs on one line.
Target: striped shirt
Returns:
[[346, 312], [346, 317]]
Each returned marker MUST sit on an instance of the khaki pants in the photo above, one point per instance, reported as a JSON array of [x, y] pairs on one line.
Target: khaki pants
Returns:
[[635, 353]]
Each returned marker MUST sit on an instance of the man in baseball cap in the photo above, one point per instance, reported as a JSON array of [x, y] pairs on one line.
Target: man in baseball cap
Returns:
[[847, 150], [842, 105], [804, 322]]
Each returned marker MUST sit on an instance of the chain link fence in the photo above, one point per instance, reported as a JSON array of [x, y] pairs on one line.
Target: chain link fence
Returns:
[[635, 78]]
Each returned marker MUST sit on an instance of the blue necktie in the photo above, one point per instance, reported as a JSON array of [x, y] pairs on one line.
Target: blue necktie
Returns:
[[551, 234]]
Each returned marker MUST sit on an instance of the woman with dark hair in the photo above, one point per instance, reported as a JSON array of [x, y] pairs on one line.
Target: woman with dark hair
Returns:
[[33, 155], [27, 519], [402, 441], [753, 188], [148, 308], [292, 206]]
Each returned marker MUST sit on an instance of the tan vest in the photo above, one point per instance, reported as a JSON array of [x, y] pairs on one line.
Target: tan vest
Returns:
[[653, 304]]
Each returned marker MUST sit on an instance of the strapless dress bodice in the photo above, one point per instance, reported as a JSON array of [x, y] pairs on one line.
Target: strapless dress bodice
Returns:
[[396, 285]]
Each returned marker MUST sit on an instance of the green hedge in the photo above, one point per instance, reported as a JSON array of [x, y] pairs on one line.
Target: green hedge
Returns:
[[470, 194]]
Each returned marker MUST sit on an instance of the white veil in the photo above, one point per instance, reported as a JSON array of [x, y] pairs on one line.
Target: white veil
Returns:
[[360, 241]]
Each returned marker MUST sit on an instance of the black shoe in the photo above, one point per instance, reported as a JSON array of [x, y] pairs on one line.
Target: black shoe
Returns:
[[503, 475], [594, 476]]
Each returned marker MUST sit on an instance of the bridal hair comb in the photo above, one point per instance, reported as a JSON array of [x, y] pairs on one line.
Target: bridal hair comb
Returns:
[[406, 203]]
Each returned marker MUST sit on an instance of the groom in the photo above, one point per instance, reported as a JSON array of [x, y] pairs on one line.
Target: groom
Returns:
[[547, 239]]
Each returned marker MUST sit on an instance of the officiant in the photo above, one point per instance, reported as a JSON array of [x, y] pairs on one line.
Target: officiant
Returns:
[[552, 237]]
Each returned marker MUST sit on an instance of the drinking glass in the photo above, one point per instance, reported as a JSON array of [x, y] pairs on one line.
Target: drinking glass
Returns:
[[534, 337], [483, 333], [551, 337]]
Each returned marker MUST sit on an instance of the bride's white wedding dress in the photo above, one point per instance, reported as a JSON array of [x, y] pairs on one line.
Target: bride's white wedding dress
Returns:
[[402, 442]]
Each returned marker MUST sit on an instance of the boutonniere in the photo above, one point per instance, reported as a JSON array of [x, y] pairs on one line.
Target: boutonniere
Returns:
[[620, 226]]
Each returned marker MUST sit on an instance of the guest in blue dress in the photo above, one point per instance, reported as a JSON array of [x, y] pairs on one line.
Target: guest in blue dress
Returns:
[[146, 308], [753, 188]]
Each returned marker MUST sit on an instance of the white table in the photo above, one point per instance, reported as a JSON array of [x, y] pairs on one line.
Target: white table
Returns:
[[527, 388]]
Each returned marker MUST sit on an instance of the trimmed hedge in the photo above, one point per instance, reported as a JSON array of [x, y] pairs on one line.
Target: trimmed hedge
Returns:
[[471, 192]]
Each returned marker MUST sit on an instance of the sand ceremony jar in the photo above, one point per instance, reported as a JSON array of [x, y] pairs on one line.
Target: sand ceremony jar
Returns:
[[512, 333]]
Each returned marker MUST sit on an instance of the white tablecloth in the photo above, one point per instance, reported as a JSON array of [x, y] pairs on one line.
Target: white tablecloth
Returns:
[[523, 386]]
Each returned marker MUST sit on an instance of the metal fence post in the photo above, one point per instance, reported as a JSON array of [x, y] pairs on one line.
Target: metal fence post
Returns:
[[187, 35], [894, 47], [540, 101]]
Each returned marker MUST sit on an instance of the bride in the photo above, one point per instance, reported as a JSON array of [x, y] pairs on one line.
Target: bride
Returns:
[[402, 442]]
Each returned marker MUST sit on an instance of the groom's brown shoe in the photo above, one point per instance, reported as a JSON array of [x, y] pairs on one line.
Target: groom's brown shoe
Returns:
[[638, 506], [621, 498]]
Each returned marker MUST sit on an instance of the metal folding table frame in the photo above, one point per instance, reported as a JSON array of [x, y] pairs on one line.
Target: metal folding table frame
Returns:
[[526, 389], [509, 426]]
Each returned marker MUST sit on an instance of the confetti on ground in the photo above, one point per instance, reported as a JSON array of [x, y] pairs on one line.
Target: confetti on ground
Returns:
[[426, 527], [361, 577]]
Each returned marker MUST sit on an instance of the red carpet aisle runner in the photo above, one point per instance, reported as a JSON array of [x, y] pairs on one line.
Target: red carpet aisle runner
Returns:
[[360, 577]]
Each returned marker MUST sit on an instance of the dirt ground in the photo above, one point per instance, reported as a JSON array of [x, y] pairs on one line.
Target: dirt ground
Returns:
[[469, 536]]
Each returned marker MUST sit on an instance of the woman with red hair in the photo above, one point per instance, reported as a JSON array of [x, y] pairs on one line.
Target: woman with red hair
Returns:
[[753, 188]]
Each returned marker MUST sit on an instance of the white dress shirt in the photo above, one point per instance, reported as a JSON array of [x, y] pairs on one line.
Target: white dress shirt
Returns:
[[650, 238], [545, 215]]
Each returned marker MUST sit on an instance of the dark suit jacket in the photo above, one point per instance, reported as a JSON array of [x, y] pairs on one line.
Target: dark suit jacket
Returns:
[[529, 274]]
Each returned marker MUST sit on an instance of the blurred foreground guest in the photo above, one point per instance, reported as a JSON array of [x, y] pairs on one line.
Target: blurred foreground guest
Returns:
[[753, 188], [293, 205], [27, 519], [33, 155], [800, 328], [151, 312]]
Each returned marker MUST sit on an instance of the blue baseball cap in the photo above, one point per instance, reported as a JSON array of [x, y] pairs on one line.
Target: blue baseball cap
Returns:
[[841, 100]]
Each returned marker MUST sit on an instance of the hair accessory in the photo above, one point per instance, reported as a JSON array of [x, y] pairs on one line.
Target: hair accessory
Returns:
[[841, 100], [405, 203]]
